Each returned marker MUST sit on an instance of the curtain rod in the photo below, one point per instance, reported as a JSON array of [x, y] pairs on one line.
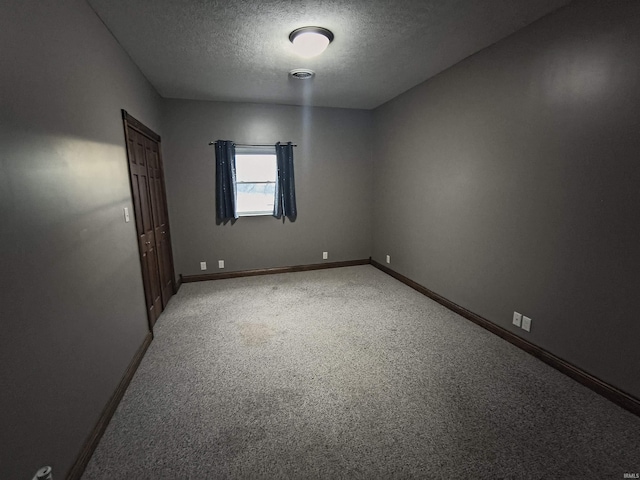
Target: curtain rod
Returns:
[[253, 144]]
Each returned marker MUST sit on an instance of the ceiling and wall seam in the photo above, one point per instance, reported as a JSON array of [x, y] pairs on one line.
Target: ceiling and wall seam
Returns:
[[122, 47]]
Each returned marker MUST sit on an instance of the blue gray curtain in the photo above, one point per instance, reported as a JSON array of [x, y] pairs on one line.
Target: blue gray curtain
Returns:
[[225, 181], [285, 204]]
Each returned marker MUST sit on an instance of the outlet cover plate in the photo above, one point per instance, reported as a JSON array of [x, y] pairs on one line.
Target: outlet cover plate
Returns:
[[325, 255], [517, 319], [388, 258], [203, 265], [526, 324], [220, 263]]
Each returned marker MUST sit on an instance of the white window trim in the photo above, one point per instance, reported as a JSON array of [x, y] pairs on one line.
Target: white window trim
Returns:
[[254, 150]]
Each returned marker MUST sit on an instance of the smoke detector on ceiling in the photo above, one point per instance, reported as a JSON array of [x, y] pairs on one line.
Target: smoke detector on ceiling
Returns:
[[302, 74]]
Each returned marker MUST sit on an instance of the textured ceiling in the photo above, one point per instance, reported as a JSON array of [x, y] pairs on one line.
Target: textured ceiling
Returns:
[[239, 50]]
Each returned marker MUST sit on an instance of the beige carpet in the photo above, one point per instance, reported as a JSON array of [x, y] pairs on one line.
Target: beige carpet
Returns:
[[347, 373]]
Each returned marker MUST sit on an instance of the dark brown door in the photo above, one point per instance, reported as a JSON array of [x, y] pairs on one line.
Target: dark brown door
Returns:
[[160, 220], [150, 211]]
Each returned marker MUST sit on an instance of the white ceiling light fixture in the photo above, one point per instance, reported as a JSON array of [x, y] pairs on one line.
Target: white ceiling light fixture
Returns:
[[310, 41]]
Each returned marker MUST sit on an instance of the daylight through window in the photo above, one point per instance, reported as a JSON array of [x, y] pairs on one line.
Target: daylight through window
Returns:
[[256, 171]]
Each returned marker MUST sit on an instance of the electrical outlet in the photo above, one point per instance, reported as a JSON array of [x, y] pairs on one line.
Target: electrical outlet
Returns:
[[127, 218], [526, 324], [203, 265], [220, 263], [325, 255], [517, 318], [388, 258]]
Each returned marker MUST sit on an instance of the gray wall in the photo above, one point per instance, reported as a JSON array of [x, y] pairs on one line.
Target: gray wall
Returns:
[[508, 182], [511, 182], [333, 185], [72, 305]]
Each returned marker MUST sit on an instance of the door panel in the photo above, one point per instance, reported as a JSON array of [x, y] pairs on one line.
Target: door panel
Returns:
[[135, 190], [161, 230], [150, 211]]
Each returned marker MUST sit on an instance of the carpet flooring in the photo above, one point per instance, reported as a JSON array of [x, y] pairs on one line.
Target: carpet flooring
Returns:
[[348, 373]]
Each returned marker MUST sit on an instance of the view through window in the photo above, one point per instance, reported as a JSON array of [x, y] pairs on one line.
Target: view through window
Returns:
[[256, 170]]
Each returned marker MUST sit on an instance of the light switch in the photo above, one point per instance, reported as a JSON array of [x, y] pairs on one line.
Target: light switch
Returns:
[[126, 215]]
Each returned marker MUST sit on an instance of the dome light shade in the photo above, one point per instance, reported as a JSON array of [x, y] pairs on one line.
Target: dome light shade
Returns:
[[310, 41]]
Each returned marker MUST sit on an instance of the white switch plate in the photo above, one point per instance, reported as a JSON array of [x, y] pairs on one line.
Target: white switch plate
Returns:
[[526, 324], [388, 258], [325, 255], [220, 263], [517, 318], [203, 265], [126, 215]]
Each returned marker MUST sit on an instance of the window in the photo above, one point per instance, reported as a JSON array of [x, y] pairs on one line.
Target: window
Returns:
[[256, 171]]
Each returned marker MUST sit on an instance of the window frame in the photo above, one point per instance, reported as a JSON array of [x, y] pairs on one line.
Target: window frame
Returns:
[[269, 151]]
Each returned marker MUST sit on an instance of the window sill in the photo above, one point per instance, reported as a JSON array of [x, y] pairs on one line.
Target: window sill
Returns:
[[242, 215]]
